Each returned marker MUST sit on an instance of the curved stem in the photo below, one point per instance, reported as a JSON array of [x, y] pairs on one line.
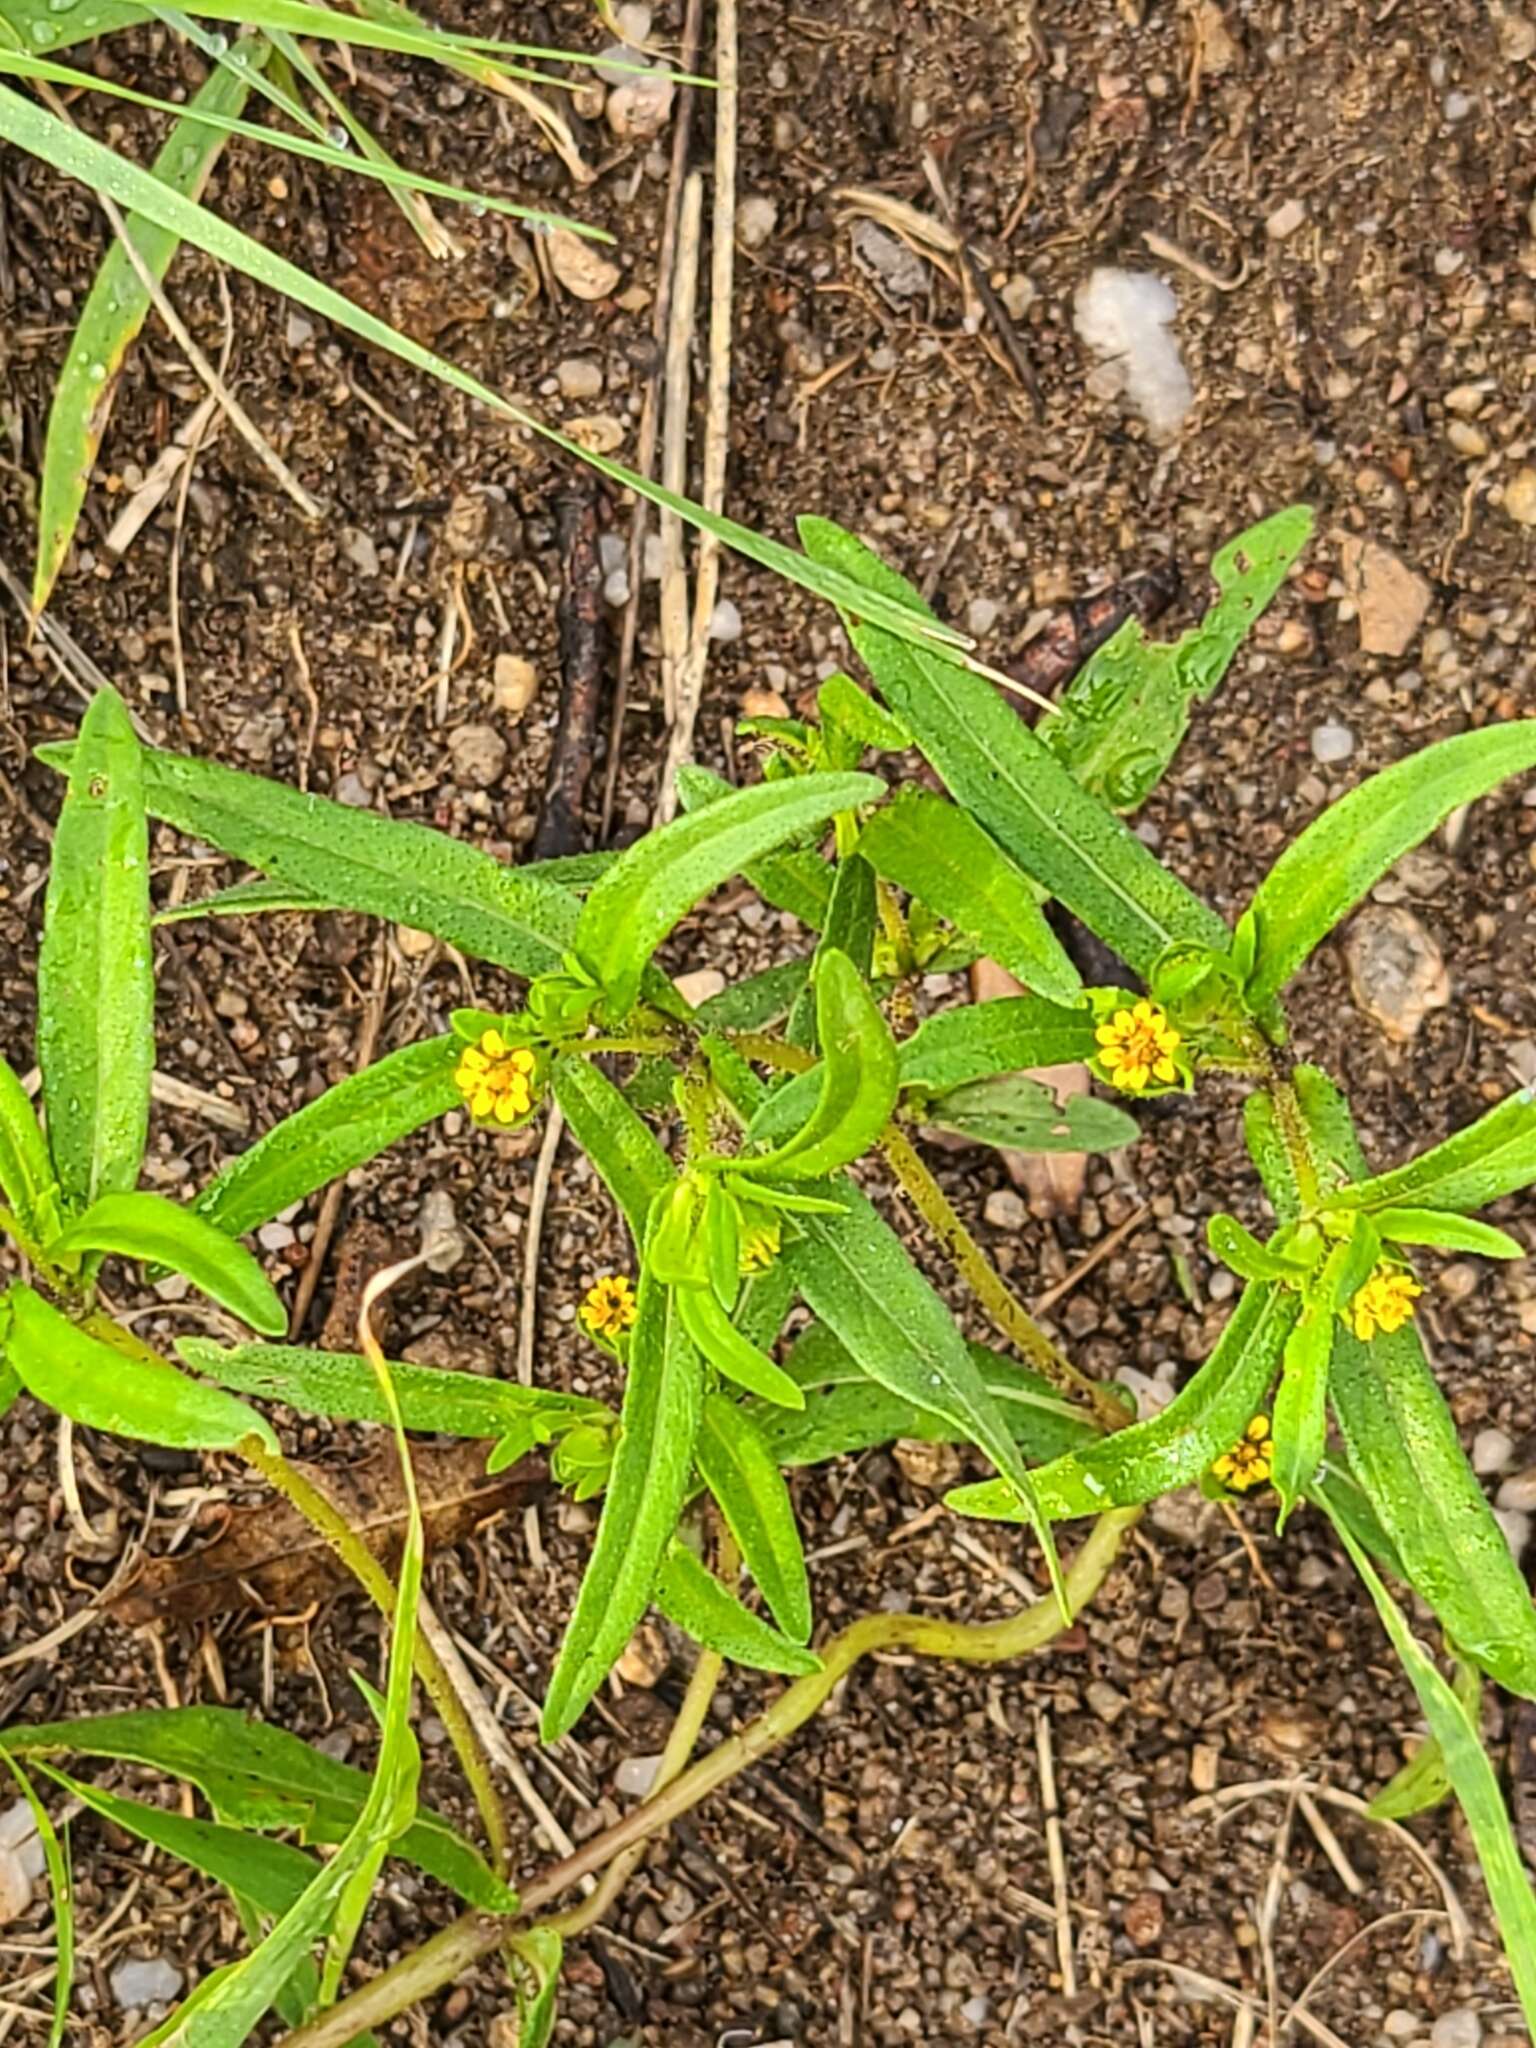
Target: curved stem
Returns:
[[1297, 1140], [771, 1052], [1008, 1313], [360, 1561], [448, 1954]]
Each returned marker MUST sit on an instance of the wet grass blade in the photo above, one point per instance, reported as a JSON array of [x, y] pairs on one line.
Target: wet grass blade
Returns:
[[1475, 1782], [95, 970], [114, 311], [57, 1864], [38, 132]]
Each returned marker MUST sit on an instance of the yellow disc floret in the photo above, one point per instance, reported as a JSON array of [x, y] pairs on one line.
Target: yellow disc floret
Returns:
[[1384, 1303], [1136, 1047], [495, 1079], [1250, 1461], [759, 1248], [608, 1309]]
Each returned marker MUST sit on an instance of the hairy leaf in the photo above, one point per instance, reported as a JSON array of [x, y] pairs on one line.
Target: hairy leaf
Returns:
[[732, 1354], [857, 1081], [691, 1596], [1025, 1116], [26, 1172], [739, 1469], [1003, 1037], [1493, 1157], [632, 1164], [653, 885], [943, 858], [160, 1232], [95, 970], [1343, 854]]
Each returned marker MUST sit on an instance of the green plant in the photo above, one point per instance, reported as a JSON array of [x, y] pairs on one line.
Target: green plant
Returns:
[[769, 1097]]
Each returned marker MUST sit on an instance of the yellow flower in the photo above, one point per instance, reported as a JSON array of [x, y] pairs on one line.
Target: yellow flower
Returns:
[[495, 1079], [1250, 1461], [1136, 1047], [1384, 1303], [759, 1248], [609, 1307]]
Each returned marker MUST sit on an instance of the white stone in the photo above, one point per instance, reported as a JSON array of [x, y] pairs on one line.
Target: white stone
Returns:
[[1125, 317], [636, 1775], [514, 685], [1005, 1210], [1518, 1493], [1286, 219], [1520, 497], [441, 1238], [147, 1980], [981, 616], [275, 1237], [1517, 1530], [725, 622], [1492, 1450], [699, 985], [756, 218], [1458, 2028], [579, 377], [1332, 743]]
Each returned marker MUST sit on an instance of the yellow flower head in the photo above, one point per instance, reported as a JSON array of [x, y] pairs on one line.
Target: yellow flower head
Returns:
[[1384, 1303], [609, 1307], [495, 1079], [759, 1248], [1250, 1461], [1136, 1047]]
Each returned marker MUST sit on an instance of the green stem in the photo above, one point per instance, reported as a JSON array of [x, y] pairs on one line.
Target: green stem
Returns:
[[1008, 1313], [376, 1583], [771, 1052], [474, 1935]]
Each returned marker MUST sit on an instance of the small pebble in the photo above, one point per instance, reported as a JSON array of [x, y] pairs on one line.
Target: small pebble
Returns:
[[645, 1657], [616, 588], [579, 377], [1005, 1210], [1400, 2025], [1465, 400], [441, 1238], [636, 1775], [1105, 1701], [1517, 1530], [1466, 439], [1516, 33], [15, 1887], [1397, 973], [478, 754], [756, 218], [581, 265], [1459, 2028], [147, 1980], [1492, 1450], [1459, 1281], [275, 1237], [1520, 497], [1457, 107], [699, 985], [981, 616], [1518, 1492], [725, 622], [514, 685], [976, 2011], [1332, 743], [639, 108], [360, 551], [1286, 219]]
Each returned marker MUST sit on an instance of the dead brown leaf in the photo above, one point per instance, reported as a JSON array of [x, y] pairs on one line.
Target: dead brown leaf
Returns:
[[270, 1559]]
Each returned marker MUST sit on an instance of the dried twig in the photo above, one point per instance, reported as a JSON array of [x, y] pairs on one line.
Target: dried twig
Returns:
[[1056, 1854], [580, 612], [533, 1231], [717, 410], [194, 446], [645, 458], [674, 439], [1044, 1303]]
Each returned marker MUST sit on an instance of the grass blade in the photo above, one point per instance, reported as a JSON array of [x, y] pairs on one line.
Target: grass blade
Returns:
[[113, 314], [63, 1905], [1474, 1781], [34, 129], [95, 971]]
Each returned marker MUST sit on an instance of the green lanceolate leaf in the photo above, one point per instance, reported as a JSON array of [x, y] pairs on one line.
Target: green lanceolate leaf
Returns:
[[158, 1231], [633, 1166], [857, 1076], [1012, 783], [345, 1127], [26, 1172], [1495, 1156], [1476, 1784], [852, 914], [943, 858], [1343, 854], [754, 1004], [845, 1410], [661, 877], [845, 708], [1423, 1782], [345, 1387], [95, 971], [1446, 1232], [663, 1395], [1171, 1449], [114, 312], [360, 861], [730, 1353], [256, 1776], [259, 898], [270, 1874], [855, 1274], [1124, 714], [1404, 1450], [56, 1862], [1241, 1251], [739, 1469], [537, 1984], [132, 1395], [1266, 1148], [1300, 1421], [689, 1594], [981, 1039], [793, 879], [1025, 1116]]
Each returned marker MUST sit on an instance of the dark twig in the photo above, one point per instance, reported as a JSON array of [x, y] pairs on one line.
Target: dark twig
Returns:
[[581, 669]]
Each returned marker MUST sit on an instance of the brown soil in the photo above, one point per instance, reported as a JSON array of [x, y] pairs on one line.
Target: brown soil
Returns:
[[883, 1879]]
